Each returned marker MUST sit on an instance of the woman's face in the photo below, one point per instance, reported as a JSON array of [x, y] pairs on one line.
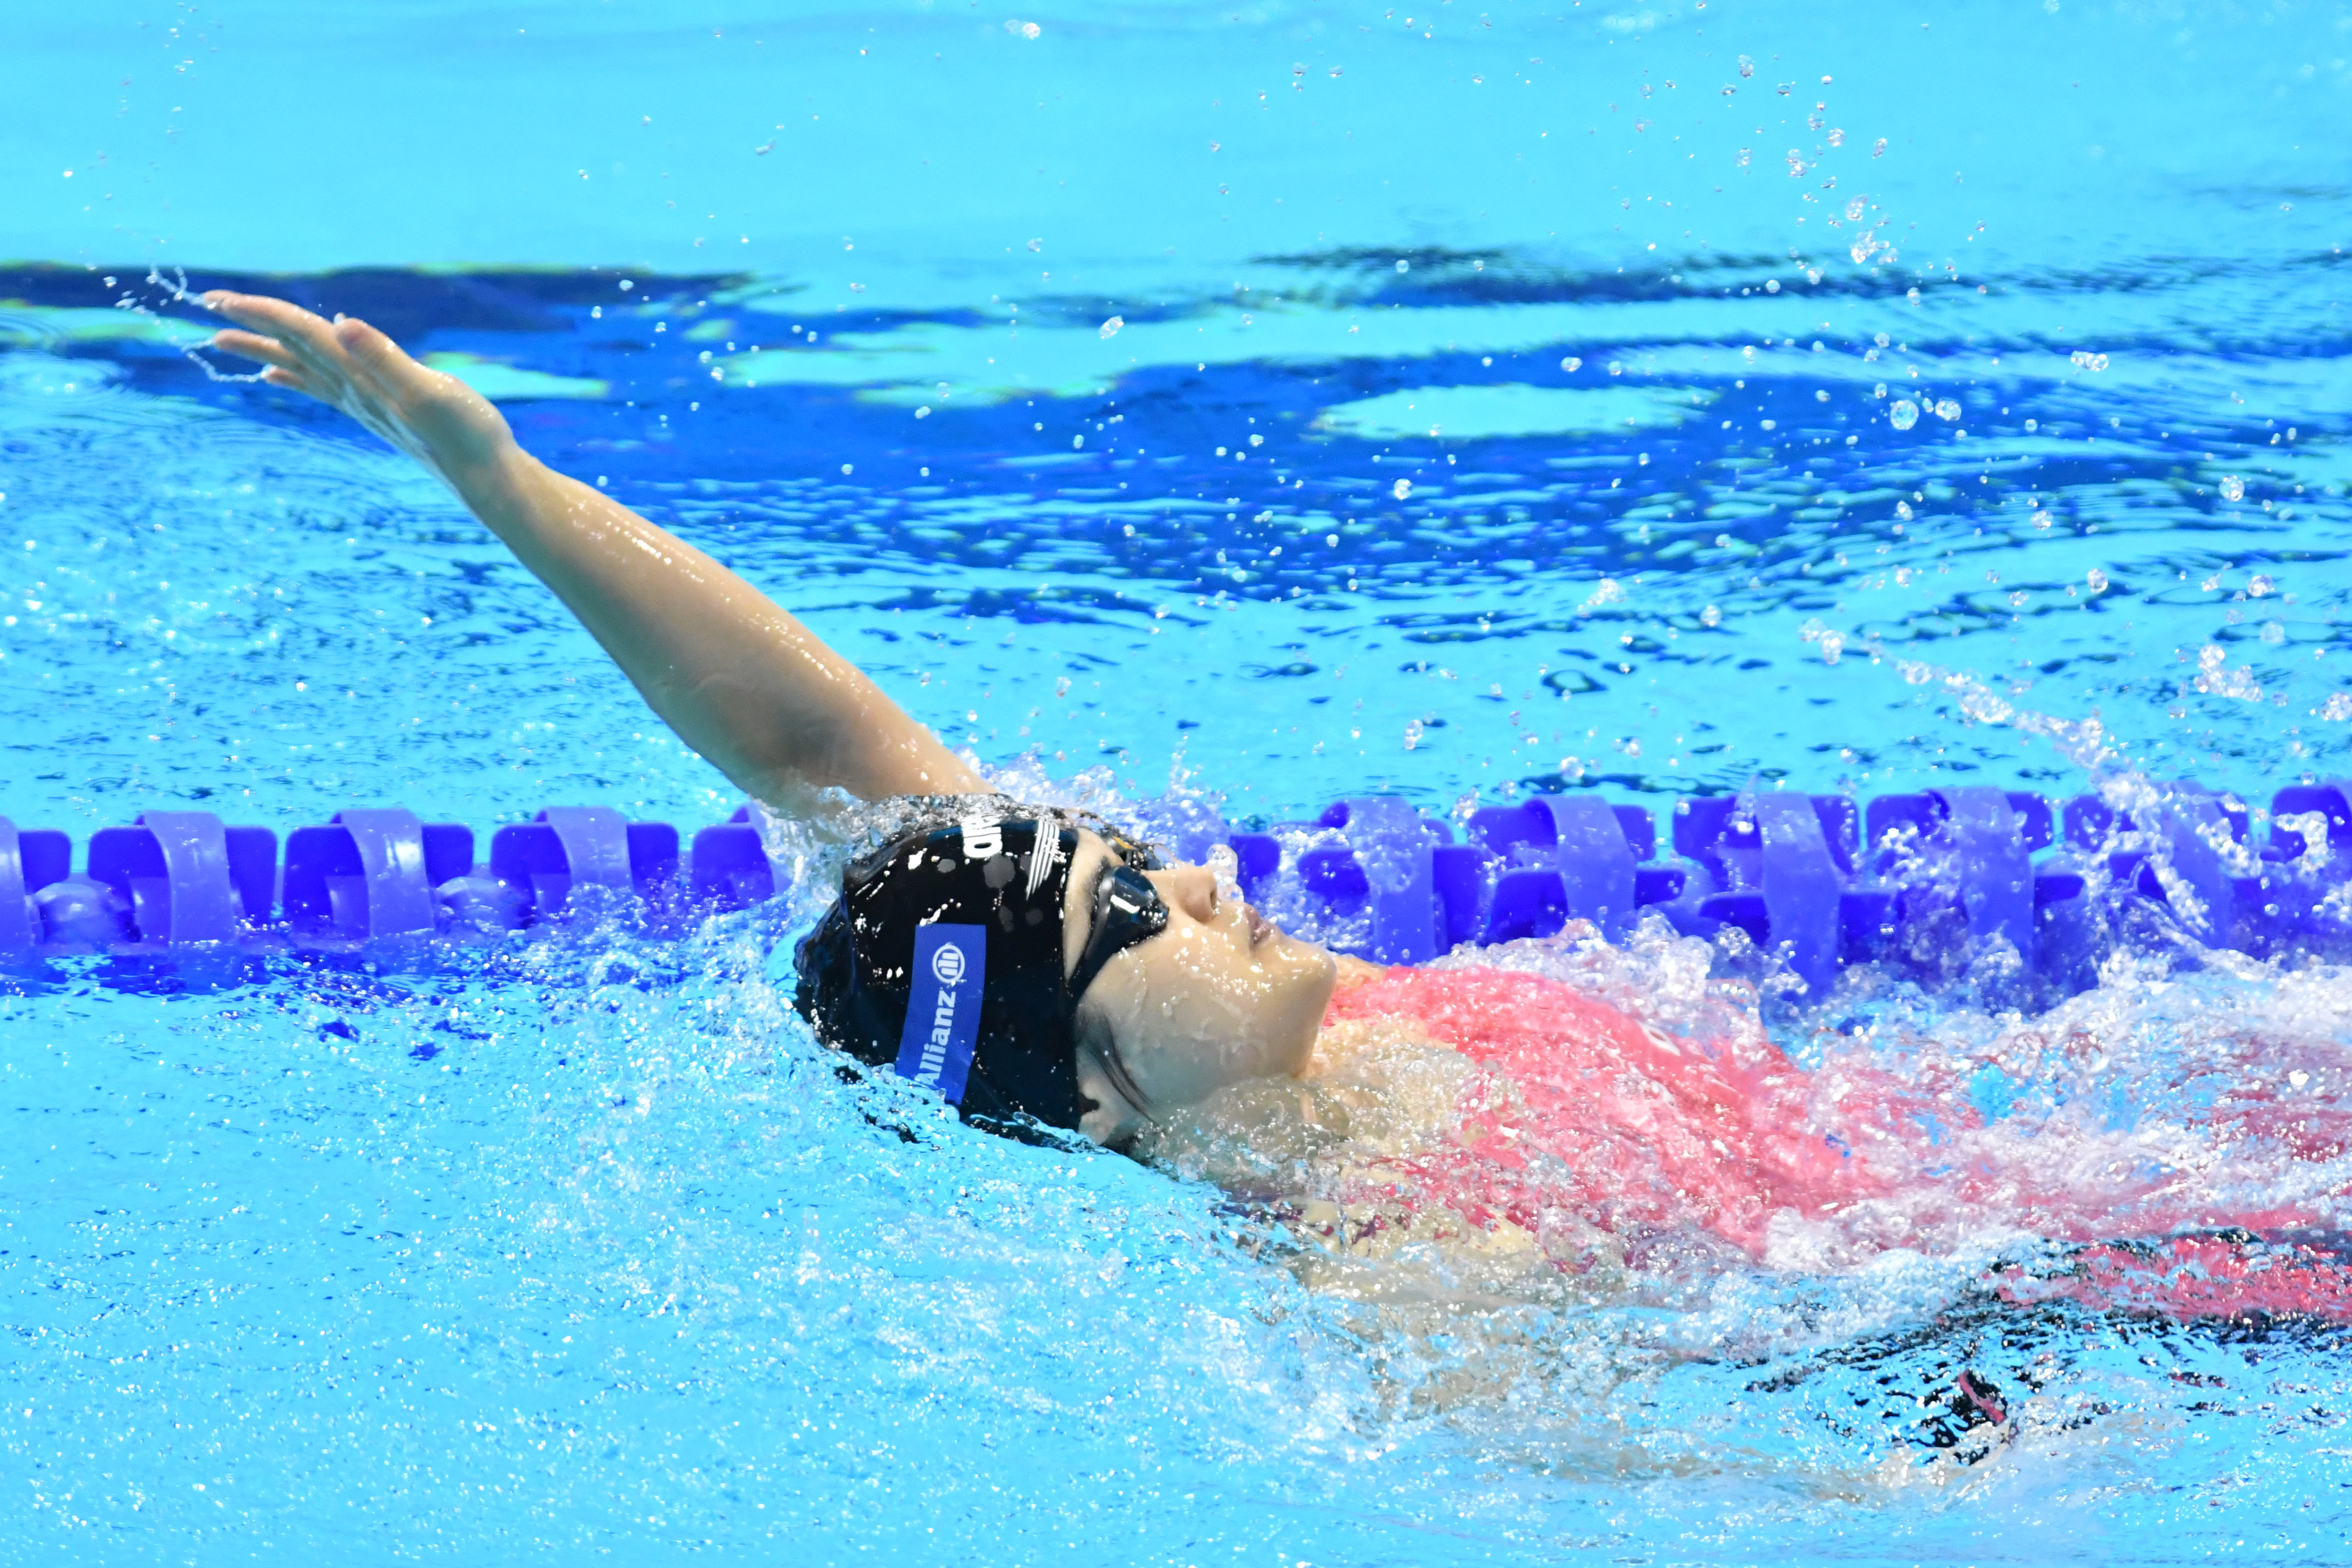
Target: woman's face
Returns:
[[1218, 997]]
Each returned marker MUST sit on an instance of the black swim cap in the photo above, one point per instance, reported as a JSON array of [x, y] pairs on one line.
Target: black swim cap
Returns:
[[943, 958]]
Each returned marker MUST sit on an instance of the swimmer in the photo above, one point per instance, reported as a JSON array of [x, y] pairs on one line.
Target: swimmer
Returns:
[[1041, 971], [1066, 976]]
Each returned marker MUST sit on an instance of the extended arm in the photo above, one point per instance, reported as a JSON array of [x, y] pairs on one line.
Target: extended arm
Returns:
[[741, 682]]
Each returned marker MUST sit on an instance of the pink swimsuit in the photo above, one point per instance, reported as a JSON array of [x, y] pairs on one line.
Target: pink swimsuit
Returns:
[[1583, 1111]]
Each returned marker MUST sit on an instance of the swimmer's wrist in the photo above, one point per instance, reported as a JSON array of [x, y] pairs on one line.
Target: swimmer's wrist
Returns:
[[493, 464]]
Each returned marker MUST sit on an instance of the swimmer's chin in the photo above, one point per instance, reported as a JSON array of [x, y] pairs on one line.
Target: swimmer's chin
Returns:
[[1325, 981]]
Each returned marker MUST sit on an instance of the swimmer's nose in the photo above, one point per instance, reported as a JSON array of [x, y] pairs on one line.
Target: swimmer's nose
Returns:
[[1191, 889]]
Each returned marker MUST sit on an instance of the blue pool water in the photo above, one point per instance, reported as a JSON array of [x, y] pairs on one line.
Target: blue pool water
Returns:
[[1491, 404]]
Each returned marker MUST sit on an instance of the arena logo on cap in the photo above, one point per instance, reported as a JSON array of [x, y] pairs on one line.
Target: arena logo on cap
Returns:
[[935, 1047]]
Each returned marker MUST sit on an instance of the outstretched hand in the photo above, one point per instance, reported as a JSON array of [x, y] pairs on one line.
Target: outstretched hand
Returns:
[[347, 364]]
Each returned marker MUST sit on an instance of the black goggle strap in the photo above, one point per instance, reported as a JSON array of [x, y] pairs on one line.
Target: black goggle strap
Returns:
[[1130, 851]]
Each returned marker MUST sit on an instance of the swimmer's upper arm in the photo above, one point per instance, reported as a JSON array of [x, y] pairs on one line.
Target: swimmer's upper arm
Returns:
[[740, 679]]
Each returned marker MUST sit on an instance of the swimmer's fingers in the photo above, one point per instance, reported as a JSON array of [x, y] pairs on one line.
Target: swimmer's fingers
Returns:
[[293, 381], [253, 345], [289, 324]]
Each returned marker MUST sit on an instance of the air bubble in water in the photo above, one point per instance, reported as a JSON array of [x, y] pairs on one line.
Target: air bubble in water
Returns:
[[1571, 362], [2097, 580], [1771, 284], [1747, 65], [1832, 647], [1403, 266], [2234, 488], [2261, 587], [1904, 415], [1110, 328], [1946, 410], [1403, 488], [1710, 616]]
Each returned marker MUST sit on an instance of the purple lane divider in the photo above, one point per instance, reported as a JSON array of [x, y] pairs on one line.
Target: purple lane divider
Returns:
[[731, 867], [1589, 845], [186, 878], [31, 859], [2182, 847], [570, 846], [1778, 866], [1974, 845], [372, 873], [1385, 862], [1457, 872]]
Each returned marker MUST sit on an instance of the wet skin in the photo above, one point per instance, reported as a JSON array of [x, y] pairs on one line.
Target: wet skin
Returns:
[[1220, 996]]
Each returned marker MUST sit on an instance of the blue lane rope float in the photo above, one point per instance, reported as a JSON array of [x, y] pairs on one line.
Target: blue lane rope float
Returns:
[[1973, 881]]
